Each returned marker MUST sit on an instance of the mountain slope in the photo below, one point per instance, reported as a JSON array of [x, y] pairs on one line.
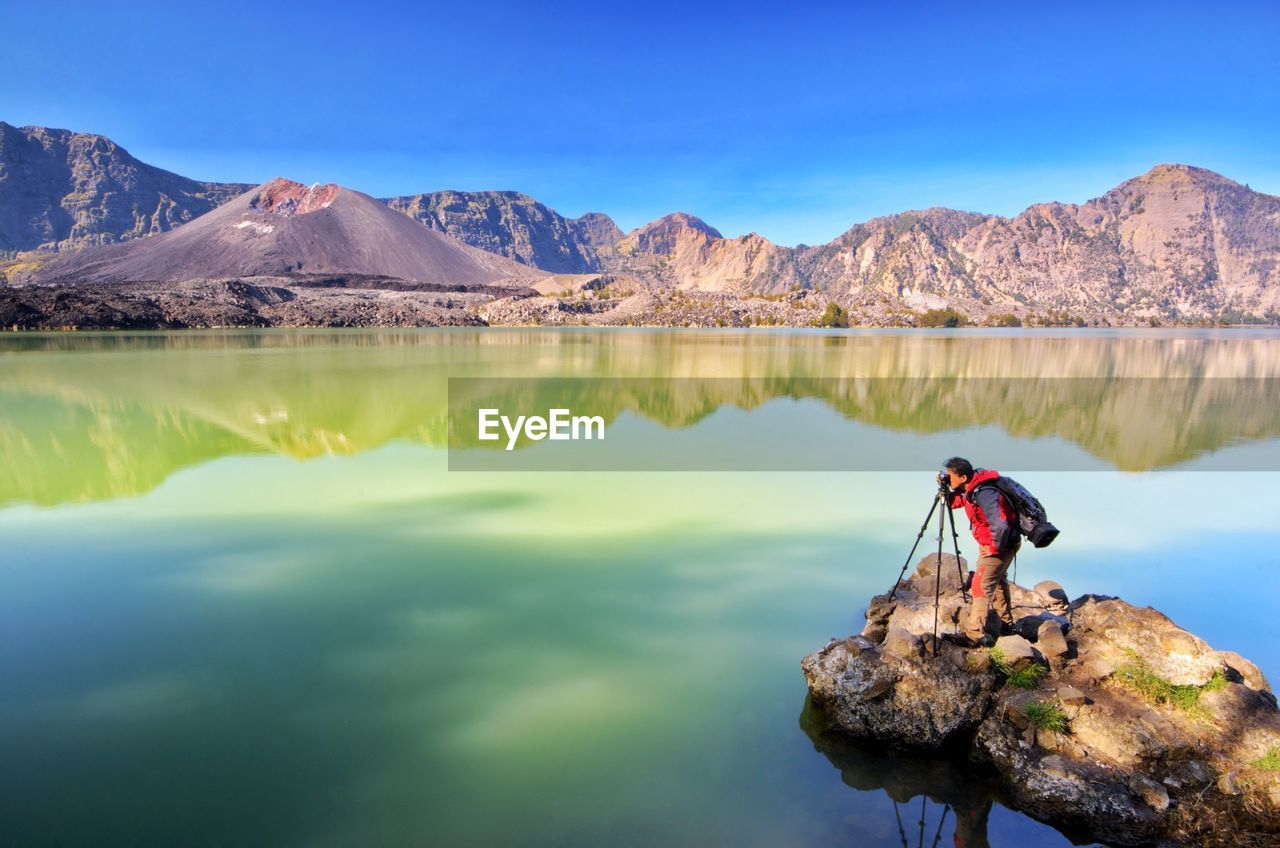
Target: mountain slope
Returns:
[[513, 225], [61, 189], [283, 227]]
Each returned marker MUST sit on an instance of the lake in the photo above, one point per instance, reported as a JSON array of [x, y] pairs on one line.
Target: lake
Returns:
[[245, 600]]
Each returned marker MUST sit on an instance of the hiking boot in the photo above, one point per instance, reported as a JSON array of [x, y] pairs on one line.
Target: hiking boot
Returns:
[[959, 639]]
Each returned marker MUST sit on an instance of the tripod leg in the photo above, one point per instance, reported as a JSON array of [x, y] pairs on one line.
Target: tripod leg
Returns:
[[919, 536], [937, 574], [955, 539]]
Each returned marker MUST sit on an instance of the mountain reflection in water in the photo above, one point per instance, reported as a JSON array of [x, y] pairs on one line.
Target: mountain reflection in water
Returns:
[[94, 416]]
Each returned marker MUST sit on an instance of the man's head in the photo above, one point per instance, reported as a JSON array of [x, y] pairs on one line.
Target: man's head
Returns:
[[959, 471]]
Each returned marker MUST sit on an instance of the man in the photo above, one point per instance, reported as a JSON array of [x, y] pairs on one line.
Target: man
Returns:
[[995, 527]]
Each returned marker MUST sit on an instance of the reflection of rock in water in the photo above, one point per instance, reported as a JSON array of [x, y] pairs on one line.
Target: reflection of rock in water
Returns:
[[949, 795]]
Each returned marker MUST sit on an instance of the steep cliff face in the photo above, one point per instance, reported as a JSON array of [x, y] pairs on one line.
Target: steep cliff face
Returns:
[[1175, 241], [911, 256], [61, 189], [684, 251], [513, 225], [597, 230]]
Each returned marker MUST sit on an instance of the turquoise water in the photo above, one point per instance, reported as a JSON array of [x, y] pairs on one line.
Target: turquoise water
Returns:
[[244, 602]]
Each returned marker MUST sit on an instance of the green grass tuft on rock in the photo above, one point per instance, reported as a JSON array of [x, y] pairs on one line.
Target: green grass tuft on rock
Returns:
[[1270, 762], [1046, 715], [1025, 678], [1137, 676]]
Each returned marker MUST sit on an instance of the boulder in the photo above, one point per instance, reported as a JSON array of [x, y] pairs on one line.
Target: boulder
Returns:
[[1244, 671], [901, 642], [1153, 794], [909, 701], [1070, 696], [1017, 652], [1051, 642], [1052, 593], [1028, 627], [1133, 766], [1118, 632]]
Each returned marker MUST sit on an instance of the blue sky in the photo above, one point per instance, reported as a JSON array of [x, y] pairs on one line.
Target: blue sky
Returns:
[[795, 121]]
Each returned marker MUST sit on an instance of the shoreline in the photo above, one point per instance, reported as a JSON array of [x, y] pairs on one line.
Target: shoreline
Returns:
[[362, 302]]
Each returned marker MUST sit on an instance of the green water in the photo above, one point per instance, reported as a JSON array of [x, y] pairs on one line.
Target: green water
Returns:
[[244, 602]]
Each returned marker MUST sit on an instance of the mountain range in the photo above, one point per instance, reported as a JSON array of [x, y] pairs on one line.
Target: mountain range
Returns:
[[1177, 242]]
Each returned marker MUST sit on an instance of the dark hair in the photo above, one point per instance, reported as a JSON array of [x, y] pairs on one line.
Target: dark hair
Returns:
[[961, 466]]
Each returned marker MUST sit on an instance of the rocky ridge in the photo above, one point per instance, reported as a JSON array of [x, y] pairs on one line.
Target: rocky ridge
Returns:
[[514, 225], [61, 190], [1102, 718]]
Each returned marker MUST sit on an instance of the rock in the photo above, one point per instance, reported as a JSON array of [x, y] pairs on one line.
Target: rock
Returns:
[[1017, 652], [1070, 696], [1050, 641], [1228, 784], [1097, 670], [875, 631], [1116, 631], [1246, 671], [1056, 767], [855, 645], [878, 613], [903, 643], [1028, 627], [1151, 792], [1047, 739], [912, 702], [1052, 592], [978, 661], [1196, 772]]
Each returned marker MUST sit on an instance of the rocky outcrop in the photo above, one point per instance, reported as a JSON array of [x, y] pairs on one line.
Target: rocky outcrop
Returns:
[[1109, 721], [61, 189], [513, 225], [684, 251], [597, 229]]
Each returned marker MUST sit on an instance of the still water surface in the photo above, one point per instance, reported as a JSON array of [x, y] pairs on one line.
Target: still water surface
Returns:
[[244, 602]]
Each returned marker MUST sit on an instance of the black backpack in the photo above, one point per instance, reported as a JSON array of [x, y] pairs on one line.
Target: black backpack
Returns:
[[1033, 522]]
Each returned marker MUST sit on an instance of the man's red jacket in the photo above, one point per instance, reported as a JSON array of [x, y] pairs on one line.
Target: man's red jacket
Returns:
[[991, 518]]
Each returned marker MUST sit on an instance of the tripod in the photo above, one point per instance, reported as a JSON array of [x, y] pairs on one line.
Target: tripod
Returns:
[[943, 497]]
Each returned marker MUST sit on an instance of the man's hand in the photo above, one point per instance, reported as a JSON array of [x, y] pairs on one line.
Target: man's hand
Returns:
[[986, 550]]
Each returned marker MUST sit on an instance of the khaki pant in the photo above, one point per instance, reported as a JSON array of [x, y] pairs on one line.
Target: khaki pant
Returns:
[[995, 594]]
